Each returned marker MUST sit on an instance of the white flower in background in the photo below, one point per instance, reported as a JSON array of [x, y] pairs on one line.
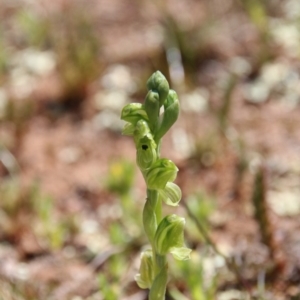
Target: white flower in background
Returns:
[[26, 67], [118, 77], [287, 35], [39, 63]]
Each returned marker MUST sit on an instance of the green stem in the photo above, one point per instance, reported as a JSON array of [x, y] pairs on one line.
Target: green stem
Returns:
[[151, 217], [149, 214], [158, 289], [152, 212], [160, 262]]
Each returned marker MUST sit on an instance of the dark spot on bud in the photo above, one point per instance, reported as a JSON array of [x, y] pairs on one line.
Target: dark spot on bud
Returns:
[[144, 147]]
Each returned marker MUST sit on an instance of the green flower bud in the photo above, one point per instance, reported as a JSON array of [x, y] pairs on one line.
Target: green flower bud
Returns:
[[133, 112], [158, 83], [171, 194], [169, 237], [141, 129], [161, 172], [146, 152], [128, 129], [152, 107], [146, 275], [170, 115]]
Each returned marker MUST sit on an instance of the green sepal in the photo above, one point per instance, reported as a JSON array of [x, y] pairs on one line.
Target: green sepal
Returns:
[[170, 115], [145, 276], [171, 194], [133, 112], [152, 106], [146, 152], [161, 172], [158, 83], [128, 129], [169, 235], [181, 253], [141, 130]]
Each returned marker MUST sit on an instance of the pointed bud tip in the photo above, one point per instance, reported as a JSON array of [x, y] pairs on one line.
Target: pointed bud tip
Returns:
[[158, 82], [176, 218]]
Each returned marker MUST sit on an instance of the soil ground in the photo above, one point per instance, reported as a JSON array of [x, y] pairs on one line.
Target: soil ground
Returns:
[[240, 118]]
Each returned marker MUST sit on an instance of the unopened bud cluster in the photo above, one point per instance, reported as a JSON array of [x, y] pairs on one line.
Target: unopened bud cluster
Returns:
[[147, 126]]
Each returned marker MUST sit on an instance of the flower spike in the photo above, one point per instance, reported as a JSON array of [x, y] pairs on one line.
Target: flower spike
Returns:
[[165, 235]]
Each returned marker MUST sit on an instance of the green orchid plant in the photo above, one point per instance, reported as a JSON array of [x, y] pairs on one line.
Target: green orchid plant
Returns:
[[148, 125]]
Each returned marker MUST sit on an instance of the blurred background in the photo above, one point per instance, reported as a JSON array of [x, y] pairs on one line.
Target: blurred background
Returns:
[[70, 194]]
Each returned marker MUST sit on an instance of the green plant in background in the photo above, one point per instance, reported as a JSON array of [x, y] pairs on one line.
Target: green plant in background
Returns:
[[148, 126], [202, 207], [120, 177], [262, 217], [201, 282], [3, 56], [70, 34], [31, 209], [19, 115], [258, 12], [121, 174], [109, 290]]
